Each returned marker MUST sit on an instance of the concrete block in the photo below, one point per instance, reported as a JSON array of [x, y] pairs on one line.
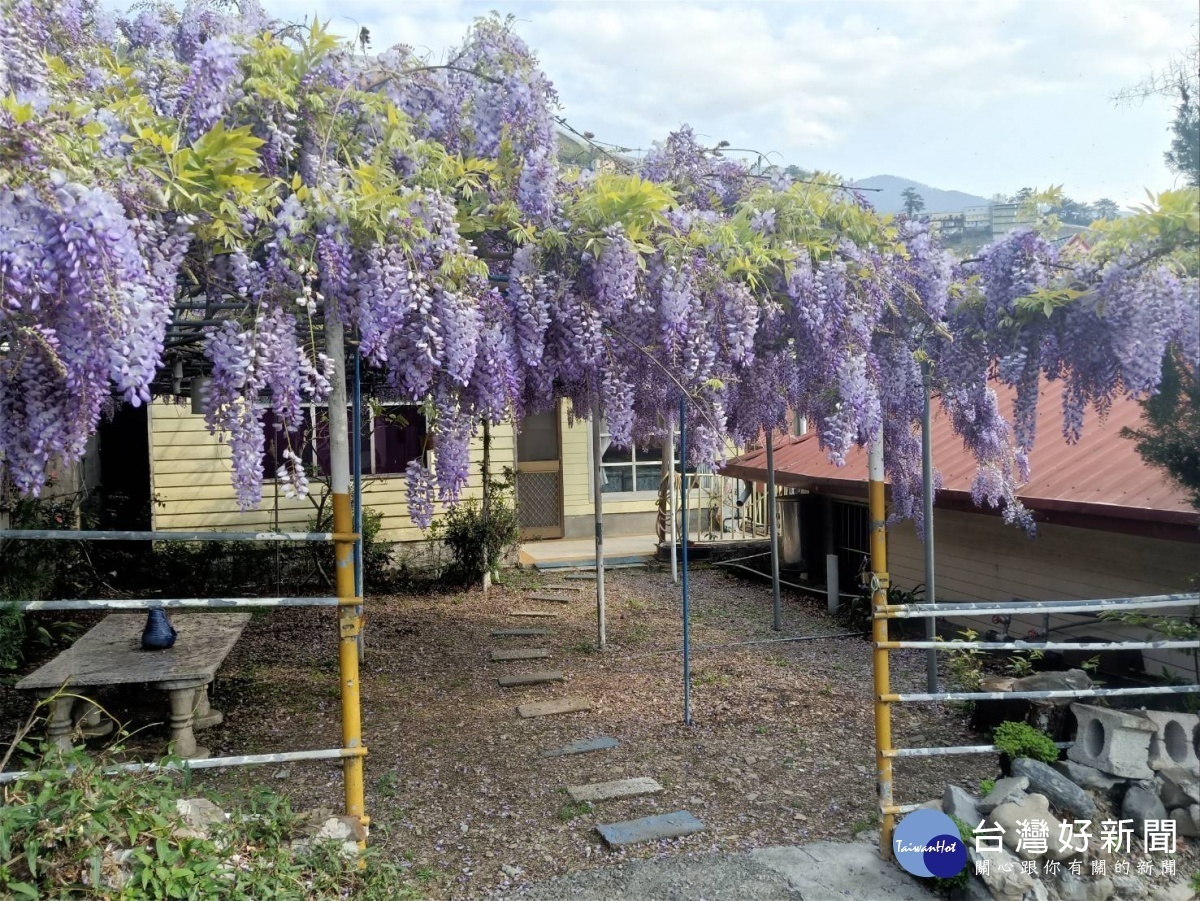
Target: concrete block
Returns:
[[1112, 741], [647, 829], [519, 633], [551, 708], [530, 678], [506, 654], [1178, 787], [556, 598], [583, 746], [1174, 740], [619, 788]]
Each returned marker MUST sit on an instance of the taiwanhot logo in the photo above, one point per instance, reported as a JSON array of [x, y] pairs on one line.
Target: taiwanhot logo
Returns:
[[927, 843]]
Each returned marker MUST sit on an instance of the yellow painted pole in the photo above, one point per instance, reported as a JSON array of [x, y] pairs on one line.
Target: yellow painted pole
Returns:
[[349, 615], [879, 632], [349, 627]]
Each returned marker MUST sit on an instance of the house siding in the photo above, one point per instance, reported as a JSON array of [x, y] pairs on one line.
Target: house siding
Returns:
[[190, 476], [978, 558]]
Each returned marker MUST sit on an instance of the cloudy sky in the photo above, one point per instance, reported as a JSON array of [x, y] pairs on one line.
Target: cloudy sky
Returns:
[[979, 97]]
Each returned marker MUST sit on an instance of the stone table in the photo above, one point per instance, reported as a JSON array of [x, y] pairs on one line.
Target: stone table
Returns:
[[111, 654]]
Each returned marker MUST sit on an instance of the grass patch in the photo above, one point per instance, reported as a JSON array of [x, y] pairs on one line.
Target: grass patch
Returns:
[[708, 677], [574, 809], [871, 822], [582, 647]]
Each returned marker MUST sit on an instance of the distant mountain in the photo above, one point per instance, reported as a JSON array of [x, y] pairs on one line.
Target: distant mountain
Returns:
[[889, 200]]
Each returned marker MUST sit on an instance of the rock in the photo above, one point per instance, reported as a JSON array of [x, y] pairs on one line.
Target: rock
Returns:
[[1141, 803], [1076, 888], [341, 829], [974, 890], [1003, 874], [1065, 795], [1091, 778], [511, 872], [958, 802], [1176, 891], [1010, 788], [996, 683], [1113, 741], [935, 804], [1187, 821], [200, 813], [1129, 887], [1031, 808], [1057, 680], [1178, 787]]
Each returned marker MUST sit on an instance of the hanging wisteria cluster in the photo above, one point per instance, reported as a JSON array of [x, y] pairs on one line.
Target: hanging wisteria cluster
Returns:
[[212, 159]]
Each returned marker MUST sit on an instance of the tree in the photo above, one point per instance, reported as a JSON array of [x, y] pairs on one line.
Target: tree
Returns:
[[1073, 212], [1170, 439], [1106, 209], [913, 202], [1180, 81]]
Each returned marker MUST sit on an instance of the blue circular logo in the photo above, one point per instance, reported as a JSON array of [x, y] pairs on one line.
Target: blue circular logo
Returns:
[[927, 843]]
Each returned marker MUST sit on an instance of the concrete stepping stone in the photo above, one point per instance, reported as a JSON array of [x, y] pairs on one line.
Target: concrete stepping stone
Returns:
[[583, 746], [581, 577], [530, 678], [619, 788], [560, 587], [532, 613], [649, 829], [499, 656], [550, 708], [519, 633], [548, 596]]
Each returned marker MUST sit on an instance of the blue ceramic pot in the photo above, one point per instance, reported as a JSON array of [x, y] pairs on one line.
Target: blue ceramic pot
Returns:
[[158, 634]]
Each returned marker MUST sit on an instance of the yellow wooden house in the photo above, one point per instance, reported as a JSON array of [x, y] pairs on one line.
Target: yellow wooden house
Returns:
[[551, 456]]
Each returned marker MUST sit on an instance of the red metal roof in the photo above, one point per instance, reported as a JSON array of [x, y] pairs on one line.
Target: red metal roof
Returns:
[[1102, 475]]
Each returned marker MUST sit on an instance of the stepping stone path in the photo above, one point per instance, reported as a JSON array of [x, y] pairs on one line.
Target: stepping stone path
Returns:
[[520, 654], [582, 577], [519, 633], [621, 788], [648, 829], [550, 708], [530, 678], [583, 746], [563, 587], [547, 596], [535, 613]]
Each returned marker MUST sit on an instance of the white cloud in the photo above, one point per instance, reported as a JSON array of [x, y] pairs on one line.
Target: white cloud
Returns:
[[843, 81]]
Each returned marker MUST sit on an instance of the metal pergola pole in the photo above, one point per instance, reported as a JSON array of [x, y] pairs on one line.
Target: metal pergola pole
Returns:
[[356, 460], [683, 547], [598, 516], [931, 660], [879, 630], [776, 602], [670, 451], [349, 617]]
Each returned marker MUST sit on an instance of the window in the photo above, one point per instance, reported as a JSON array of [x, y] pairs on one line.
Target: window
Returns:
[[629, 469], [392, 435]]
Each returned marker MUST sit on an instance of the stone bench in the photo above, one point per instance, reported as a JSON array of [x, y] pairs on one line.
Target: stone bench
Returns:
[[111, 653]]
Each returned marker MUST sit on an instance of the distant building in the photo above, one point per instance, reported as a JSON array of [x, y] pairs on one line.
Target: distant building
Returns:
[[945, 224], [977, 218], [1008, 216]]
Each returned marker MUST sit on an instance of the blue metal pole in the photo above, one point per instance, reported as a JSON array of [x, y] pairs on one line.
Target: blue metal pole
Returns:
[[683, 507], [356, 445]]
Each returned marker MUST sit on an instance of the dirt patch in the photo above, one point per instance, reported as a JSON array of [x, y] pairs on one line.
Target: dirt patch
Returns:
[[780, 752]]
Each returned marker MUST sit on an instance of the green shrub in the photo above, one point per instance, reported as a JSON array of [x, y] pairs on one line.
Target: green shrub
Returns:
[[68, 831], [947, 886], [467, 536], [986, 786], [1023, 740]]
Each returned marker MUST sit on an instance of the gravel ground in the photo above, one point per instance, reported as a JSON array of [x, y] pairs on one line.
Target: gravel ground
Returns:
[[780, 750]]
